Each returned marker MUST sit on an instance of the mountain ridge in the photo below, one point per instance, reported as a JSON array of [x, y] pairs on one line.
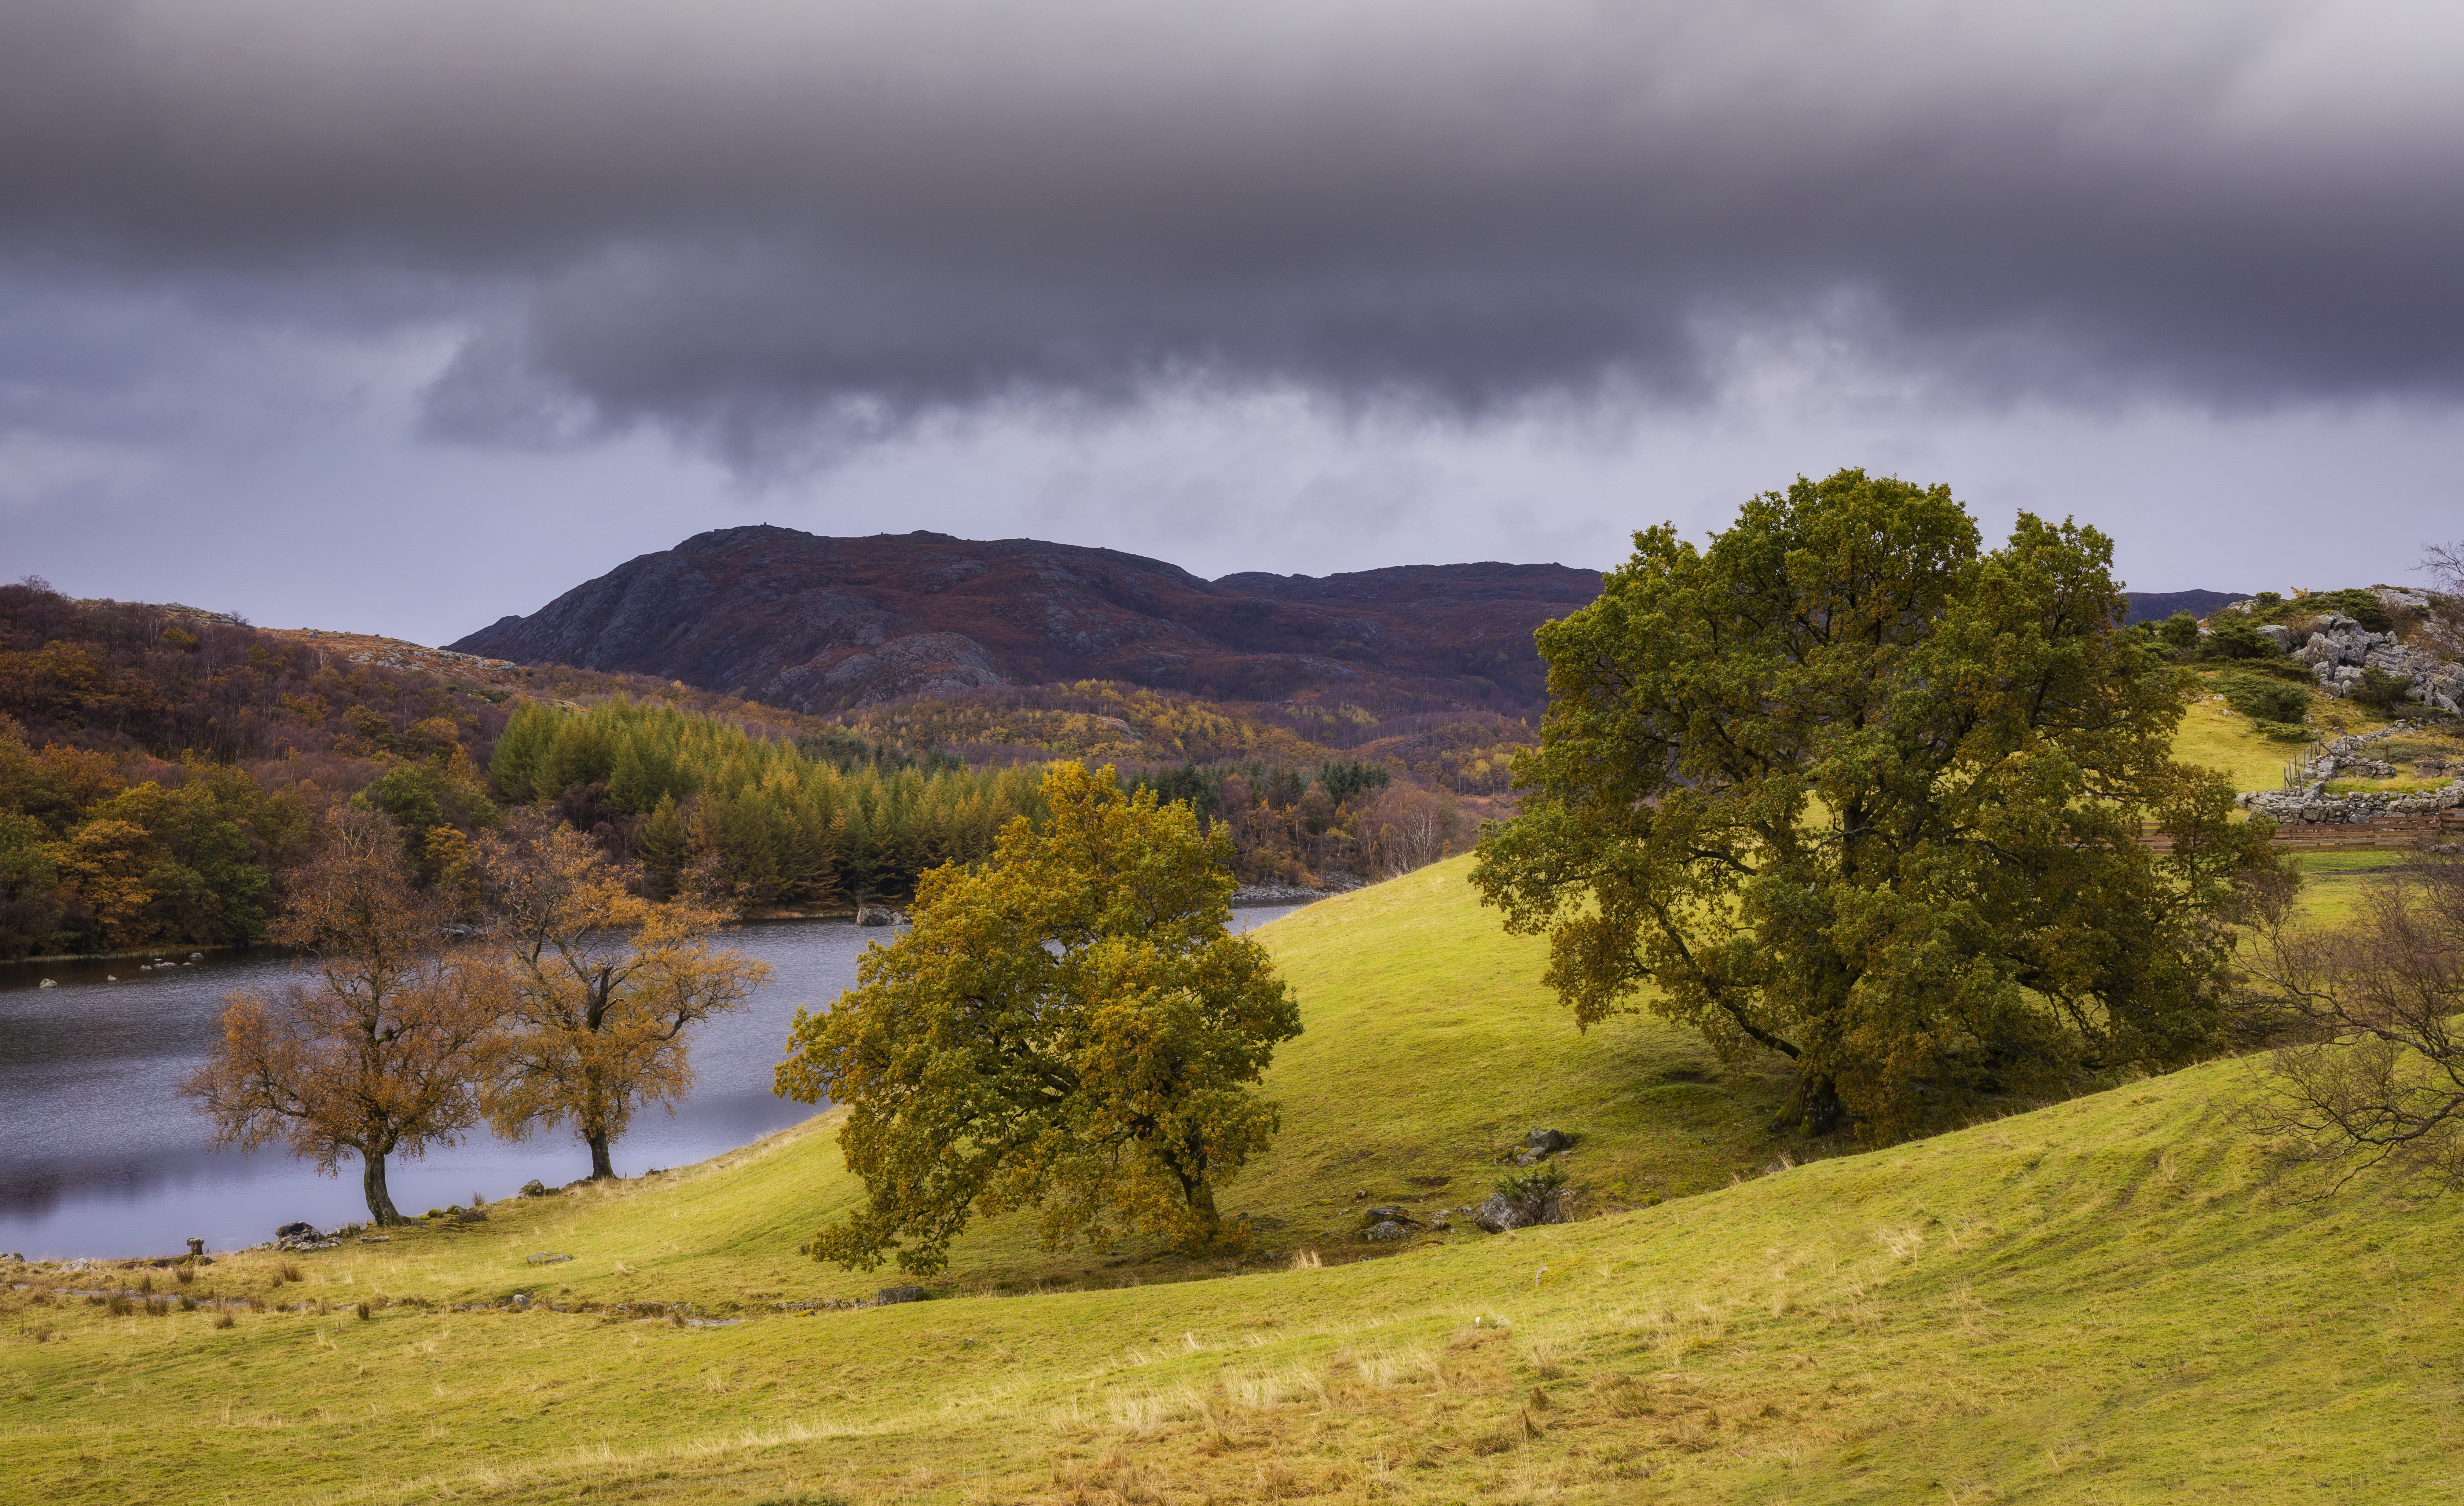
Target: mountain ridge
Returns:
[[820, 624]]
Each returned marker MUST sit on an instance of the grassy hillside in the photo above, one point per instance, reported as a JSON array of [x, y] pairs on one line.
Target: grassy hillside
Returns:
[[2213, 737], [2106, 1300]]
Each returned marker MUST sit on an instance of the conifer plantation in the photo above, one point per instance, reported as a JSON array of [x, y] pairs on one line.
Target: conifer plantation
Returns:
[[775, 825]]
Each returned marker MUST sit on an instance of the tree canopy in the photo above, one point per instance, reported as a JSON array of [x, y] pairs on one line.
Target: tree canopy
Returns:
[[382, 1050], [602, 986], [1066, 1027], [1845, 787]]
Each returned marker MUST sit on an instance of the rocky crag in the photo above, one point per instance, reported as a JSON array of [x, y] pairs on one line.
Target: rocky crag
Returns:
[[2342, 648]]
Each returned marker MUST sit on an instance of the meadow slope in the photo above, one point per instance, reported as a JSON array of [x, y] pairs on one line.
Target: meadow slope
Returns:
[[2103, 1300]]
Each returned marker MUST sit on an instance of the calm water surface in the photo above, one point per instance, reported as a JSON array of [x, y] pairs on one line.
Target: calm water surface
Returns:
[[100, 1156]]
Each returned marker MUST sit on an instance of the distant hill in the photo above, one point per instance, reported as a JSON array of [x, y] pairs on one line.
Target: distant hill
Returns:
[[2157, 606], [818, 624]]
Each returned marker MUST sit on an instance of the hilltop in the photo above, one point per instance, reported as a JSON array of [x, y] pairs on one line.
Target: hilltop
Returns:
[[818, 624]]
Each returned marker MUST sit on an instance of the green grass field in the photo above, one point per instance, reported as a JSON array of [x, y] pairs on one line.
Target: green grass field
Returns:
[[2103, 1300]]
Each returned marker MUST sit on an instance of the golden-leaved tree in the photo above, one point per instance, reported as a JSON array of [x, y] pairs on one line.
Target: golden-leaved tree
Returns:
[[1068, 1026], [604, 985], [381, 1048]]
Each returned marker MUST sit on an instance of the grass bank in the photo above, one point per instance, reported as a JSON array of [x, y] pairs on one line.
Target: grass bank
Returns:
[[2103, 1300]]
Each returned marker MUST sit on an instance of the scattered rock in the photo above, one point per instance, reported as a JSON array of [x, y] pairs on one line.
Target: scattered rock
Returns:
[[295, 1230], [891, 1295], [1388, 1215], [1541, 1145], [878, 915], [534, 1189], [1386, 1231], [1501, 1212], [547, 1257]]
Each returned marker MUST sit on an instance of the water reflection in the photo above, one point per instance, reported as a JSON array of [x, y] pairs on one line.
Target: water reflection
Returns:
[[100, 1155]]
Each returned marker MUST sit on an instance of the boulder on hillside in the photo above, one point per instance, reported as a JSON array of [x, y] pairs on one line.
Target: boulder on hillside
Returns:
[[889, 1295], [1541, 1145]]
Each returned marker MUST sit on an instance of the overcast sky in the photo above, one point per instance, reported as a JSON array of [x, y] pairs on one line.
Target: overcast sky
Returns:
[[402, 316]]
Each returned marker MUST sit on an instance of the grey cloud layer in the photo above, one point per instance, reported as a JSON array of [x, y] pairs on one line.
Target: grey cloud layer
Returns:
[[727, 217]]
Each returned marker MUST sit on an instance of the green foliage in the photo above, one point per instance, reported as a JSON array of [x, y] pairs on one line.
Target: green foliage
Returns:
[[1344, 779], [2388, 694], [1066, 1026], [2232, 635], [1526, 1187], [769, 822], [88, 862], [426, 798], [2357, 602], [1847, 788], [2178, 632], [2263, 699]]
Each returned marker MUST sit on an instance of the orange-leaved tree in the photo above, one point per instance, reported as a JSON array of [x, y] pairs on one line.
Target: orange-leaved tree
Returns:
[[604, 986], [1066, 1026], [381, 1048]]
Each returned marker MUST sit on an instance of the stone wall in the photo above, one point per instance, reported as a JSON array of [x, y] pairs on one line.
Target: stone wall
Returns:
[[2304, 799]]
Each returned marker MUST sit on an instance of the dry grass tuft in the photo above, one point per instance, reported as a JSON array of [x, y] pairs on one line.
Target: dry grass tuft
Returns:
[[1306, 1260], [1145, 1413], [1400, 1367]]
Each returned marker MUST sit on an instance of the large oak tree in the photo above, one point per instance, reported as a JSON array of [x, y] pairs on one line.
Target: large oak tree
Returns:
[[1067, 1027], [1845, 787]]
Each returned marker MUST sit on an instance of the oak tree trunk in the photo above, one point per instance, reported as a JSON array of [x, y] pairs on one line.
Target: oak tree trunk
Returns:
[[372, 1182]]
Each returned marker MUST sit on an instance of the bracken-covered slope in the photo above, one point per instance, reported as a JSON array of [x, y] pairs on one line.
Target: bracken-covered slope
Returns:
[[818, 624]]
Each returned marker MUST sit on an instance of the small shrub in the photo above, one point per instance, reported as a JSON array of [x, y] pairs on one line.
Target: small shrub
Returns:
[[2284, 731], [41, 1333], [120, 1306], [2232, 635], [145, 1284], [2263, 699], [2180, 631], [2381, 691], [287, 1271], [183, 1274], [158, 1307], [187, 1304], [1529, 1186], [225, 1319], [366, 1312]]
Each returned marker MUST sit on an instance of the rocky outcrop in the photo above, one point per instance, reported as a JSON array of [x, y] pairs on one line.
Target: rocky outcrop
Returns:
[[1502, 1211], [2342, 648]]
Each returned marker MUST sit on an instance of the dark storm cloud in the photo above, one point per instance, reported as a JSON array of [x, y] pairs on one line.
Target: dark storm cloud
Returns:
[[730, 218]]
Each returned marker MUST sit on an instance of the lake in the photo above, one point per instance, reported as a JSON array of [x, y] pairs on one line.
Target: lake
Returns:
[[100, 1156]]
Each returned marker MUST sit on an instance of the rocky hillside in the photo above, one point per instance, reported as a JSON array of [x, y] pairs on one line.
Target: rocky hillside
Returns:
[[818, 624]]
